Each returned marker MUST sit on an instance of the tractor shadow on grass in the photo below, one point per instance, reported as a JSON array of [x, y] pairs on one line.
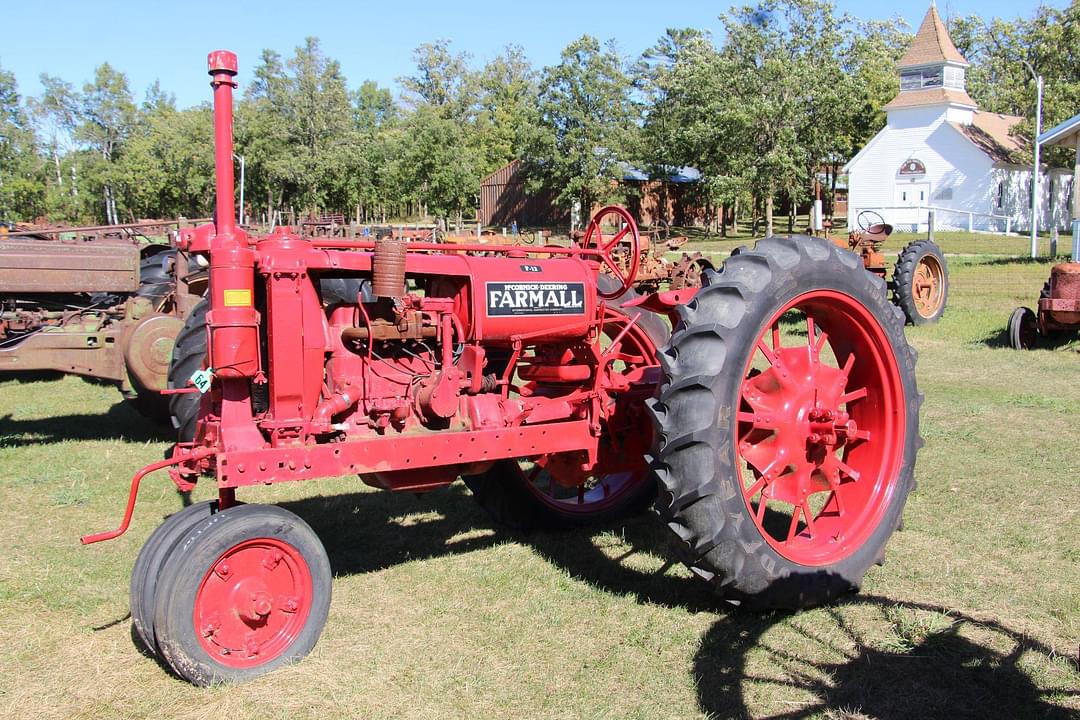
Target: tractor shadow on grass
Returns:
[[866, 656], [121, 422], [873, 657], [1000, 339], [364, 532]]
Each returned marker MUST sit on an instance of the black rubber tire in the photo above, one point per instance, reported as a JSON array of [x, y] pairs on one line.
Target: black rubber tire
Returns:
[[147, 568], [1023, 329], [187, 358], [188, 563], [903, 276], [703, 375], [501, 490]]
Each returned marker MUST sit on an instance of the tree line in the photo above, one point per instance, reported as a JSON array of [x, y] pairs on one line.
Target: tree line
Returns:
[[788, 89]]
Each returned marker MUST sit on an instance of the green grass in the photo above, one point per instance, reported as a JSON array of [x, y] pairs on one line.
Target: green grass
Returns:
[[437, 613]]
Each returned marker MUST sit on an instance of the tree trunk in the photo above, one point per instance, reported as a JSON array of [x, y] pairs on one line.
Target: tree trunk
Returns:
[[769, 212], [791, 213]]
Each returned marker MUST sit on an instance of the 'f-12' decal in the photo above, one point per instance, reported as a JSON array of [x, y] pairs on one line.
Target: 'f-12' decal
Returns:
[[550, 298]]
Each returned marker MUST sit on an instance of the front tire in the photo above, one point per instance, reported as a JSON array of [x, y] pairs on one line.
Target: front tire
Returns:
[[784, 464], [244, 591]]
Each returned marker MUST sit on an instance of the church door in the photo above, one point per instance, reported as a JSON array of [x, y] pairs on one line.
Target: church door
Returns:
[[909, 194]]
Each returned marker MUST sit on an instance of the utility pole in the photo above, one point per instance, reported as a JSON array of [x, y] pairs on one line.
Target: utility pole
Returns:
[[1035, 160]]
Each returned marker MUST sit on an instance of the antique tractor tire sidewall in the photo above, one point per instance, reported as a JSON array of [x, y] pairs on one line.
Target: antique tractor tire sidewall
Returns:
[[155, 283], [189, 352], [907, 265], [695, 414], [190, 564], [502, 490], [147, 568], [1023, 329]]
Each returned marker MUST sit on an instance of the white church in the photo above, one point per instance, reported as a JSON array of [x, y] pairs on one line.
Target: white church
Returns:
[[939, 152]]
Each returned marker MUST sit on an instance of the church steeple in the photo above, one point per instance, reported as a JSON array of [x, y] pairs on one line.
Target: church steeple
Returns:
[[932, 71]]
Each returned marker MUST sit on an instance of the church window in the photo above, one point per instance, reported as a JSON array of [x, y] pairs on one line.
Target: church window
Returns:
[[931, 77], [1000, 194], [912, 166], [911, 80]]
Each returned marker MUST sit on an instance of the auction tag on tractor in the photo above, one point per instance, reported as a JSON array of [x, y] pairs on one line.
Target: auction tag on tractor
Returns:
[[202, 379]]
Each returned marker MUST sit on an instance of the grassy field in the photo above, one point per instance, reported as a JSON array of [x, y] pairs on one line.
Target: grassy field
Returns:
[[439, 614]]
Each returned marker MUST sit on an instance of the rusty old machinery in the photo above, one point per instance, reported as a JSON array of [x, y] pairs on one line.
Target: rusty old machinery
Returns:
[[920, 281], [97, 303], [653, 269], [772, 414], [1058, 315]]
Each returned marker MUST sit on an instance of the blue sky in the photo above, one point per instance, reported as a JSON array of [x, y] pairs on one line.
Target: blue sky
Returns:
[[372, 40]]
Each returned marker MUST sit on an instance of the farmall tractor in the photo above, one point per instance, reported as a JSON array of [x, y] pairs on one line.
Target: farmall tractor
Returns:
[[776, 422]]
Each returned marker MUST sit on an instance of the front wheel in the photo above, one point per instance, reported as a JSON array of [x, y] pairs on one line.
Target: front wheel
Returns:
[[787, 425], [243, 591], [1023, 329]]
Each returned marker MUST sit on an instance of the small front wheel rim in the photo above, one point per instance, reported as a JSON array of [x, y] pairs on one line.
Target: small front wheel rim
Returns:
[[928, 286], [253, 602], [821, 429]]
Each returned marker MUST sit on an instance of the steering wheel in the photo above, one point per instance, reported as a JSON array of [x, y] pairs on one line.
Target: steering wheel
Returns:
[[870, 214], [606, 246]]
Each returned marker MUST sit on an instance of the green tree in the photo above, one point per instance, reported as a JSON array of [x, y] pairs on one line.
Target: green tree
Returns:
[[586, 121], [106, 115], [22, 193]]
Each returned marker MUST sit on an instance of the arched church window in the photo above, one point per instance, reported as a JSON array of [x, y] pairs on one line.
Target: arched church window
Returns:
[[912, 166]]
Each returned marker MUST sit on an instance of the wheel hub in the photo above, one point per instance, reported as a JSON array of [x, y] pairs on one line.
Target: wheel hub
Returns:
[[253, 602]]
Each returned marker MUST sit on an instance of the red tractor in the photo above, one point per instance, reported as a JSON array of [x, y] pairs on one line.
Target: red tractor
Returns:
[[776, 423], [1058, 317]]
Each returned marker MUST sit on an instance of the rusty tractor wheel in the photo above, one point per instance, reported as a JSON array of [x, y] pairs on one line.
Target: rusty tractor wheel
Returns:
[[787, 425], [1023, 329], [189, 352], [921, 282], [147, 568], [241, 592], [552, 491], [689, 271]]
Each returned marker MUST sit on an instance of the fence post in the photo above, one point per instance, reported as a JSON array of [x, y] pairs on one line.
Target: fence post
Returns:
[[971, 222], [1008, 224], [930, 224]]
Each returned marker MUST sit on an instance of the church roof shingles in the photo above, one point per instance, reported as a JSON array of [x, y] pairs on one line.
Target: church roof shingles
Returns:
[[932, 44]]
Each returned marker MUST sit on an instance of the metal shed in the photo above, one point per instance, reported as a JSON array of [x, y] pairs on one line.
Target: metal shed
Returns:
[[504, 200]]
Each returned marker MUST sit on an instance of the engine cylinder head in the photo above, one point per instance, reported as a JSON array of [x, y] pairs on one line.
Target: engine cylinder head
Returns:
[[388, 267]]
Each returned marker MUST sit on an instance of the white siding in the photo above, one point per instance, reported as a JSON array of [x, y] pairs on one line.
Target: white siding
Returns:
[[1018, 197], [958, 173]]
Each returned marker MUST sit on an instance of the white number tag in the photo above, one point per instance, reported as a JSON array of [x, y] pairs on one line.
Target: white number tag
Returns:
[[202, 379]]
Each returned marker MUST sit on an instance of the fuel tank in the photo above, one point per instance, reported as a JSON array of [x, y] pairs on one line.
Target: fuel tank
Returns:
[[535, 298]]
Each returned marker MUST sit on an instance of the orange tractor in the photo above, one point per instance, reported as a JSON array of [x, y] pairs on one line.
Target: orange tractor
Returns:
[[920, 281]]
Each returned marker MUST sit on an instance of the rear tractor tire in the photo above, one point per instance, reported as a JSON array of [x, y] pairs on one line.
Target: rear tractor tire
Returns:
[[241, 592], [189, 352], [786, 425], [921, 282]]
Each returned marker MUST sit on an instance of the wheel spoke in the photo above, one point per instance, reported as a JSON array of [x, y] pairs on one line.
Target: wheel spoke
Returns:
[[853, 395], [808, 517], [614, 241], [766, 352], [755, 488], [794, 523]]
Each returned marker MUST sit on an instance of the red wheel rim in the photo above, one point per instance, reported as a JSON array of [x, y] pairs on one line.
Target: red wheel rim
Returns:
[[821, 429], [620, 471], [253, 602]]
